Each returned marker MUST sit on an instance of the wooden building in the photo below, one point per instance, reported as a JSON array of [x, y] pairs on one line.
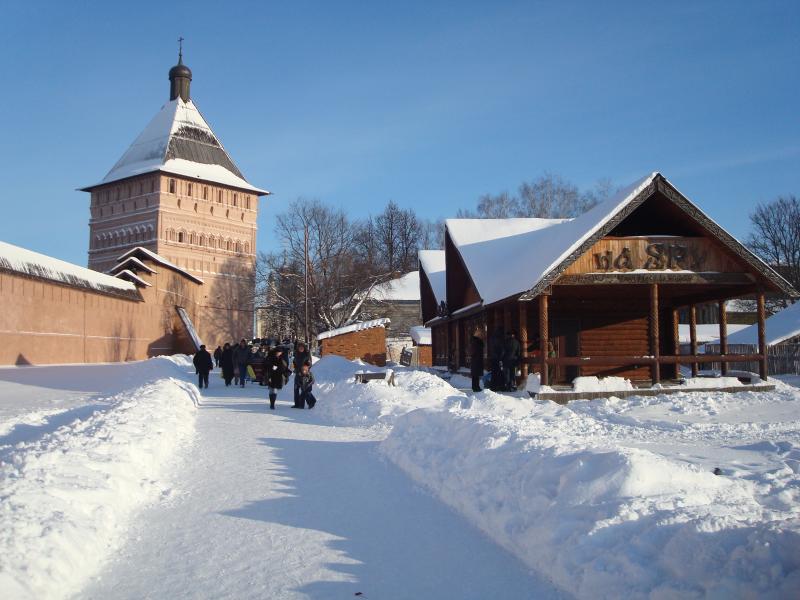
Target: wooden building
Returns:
[[595, 295]]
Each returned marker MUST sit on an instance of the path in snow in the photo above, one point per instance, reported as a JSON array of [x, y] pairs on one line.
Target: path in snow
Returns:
[[283, 505]]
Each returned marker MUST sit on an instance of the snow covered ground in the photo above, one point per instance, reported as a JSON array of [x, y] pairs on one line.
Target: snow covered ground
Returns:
[[597, 499]]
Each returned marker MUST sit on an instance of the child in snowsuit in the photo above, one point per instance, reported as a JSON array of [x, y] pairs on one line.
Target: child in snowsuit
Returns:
[[305, 383]]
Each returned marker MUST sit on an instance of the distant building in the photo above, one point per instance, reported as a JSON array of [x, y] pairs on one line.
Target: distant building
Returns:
[[398, 301], [365, 340]]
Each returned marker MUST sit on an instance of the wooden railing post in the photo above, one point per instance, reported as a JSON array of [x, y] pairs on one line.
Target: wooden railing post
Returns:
[[693, 335], [544, 334], [655, 344], [523, 338], [723, 335], [762, 337]]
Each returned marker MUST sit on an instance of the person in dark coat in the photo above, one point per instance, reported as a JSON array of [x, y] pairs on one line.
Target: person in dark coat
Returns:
[[301, 357], [226, 362], [202, 362], [476, 360], [276, 369], [218, 355], [496, 344], [241, 356], [306, 378], [511, 355]]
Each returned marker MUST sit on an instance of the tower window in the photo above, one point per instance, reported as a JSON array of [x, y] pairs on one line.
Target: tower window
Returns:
[[205, 192], [248, 202], [171, 186], [189, 189], [180, 236], [219, 196], [235, 200]]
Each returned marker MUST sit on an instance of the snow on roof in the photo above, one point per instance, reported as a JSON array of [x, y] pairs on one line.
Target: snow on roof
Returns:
[[178, 140], [433, 263], [491, 247], [157, 258], [707, 332], [131, 262], [402, 288], [130, 275], [187, 322], [781, 326], [354, 327], [30, 263], [421, 335]]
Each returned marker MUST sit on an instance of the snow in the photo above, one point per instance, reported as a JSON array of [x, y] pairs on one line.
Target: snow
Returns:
[[433, 264], [602, 384], [421, 335], [781, 326], [354, 327], [148, 152], [158, 259], [405, 288], [706, 332], [131, 263], [29, 263], [417, 490], [70, 481], [491, 248], [187, 322]]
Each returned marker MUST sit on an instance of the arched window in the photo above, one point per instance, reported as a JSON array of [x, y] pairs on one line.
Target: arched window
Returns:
[[179, 202], [181, 237], [229, 245], [195, 207], [203, 240], [212, 210], [247, 247], [238, 247]]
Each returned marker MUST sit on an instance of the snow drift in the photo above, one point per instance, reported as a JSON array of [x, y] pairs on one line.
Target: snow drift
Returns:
[[66, 498]]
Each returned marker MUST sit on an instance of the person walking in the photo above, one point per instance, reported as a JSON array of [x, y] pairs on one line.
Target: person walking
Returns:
[[306, 378], [511, 355], [476, 359], [276, 369], [301, 357], [218, 355], [241, 354], [202, 362], [226, 362], [496, 359]]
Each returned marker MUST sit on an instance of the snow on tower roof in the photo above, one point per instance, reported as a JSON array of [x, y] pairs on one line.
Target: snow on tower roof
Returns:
[[130, 263], [781, 326], [178, 140], [354, 327], [131, 276], [506, 257], [158, 259], [32, 264], [405, 288], [433, 264]]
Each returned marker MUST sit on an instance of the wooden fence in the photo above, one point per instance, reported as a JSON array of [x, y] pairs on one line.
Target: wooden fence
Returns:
[[782, 359]]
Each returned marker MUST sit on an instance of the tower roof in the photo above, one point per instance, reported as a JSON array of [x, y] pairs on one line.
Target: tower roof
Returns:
[[179, 141]]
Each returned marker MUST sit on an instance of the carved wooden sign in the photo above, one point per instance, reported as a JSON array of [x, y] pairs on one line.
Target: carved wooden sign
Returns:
[[654, 254]]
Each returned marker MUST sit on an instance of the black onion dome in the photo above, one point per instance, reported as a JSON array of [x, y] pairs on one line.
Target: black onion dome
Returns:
[[180, 70]]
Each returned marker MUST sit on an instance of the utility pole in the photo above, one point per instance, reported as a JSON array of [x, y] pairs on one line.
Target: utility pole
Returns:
[[305, 255]]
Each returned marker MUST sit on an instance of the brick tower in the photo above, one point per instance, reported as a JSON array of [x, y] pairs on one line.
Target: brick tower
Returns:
[[177, 192]]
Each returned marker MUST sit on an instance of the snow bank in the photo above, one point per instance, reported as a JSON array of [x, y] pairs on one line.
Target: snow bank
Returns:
[[67, 497], [616, 498], [603, 384]]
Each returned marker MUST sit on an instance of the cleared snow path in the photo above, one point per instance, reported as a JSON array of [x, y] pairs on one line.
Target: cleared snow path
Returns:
[[284, 504]]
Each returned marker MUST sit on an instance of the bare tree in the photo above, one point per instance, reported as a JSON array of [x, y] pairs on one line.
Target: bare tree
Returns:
[[776, 239]]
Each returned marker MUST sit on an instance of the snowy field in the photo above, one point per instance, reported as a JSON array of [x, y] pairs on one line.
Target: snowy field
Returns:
[[124, 481]]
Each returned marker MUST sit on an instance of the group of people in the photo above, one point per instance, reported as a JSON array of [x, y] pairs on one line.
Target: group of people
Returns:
[[235, 361], [504, 356]]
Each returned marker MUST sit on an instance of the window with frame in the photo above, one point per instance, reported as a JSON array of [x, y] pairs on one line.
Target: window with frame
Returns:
[[171, 186]]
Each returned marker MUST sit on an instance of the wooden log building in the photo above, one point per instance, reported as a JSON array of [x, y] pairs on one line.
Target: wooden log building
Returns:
[[595, 295]]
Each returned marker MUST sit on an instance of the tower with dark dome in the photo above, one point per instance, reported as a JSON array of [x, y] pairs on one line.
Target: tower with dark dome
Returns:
[[177, 192]]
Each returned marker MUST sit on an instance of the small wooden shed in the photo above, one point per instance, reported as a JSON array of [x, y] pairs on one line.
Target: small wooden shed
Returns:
[[365, 340]]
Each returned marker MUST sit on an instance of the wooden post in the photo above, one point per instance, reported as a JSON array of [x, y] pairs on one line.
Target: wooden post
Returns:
[[676, 339], [762, 337], [457, 332], [723, 335], [523, 337], [544, 334], [693, 335], [655, 343]]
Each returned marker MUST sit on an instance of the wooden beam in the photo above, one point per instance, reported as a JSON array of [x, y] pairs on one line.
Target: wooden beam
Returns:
[[523, 337], [656, 277], [622, 361], [655, 342], [676, 339], [723, 335], [762, 336], [693, 336], [544, 335]]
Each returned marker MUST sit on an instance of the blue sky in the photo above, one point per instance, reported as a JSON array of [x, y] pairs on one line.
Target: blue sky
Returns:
[[426, 103]]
